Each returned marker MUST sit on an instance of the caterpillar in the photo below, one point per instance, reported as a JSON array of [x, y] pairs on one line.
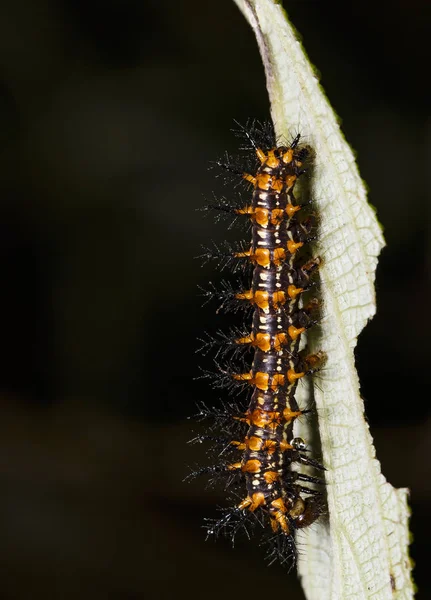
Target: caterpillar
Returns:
[[256, 449]]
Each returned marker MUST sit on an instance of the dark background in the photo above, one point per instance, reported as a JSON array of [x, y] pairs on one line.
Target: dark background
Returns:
[[109, 115]]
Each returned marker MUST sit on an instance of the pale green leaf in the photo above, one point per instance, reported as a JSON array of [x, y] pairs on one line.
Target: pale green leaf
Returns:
[[361, 551]]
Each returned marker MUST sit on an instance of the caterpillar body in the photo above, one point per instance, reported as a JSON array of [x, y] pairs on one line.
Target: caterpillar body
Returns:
[[260, 455]]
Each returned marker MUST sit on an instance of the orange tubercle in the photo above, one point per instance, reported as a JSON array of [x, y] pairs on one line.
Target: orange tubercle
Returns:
[[279, 256], [279, 504], [285, 446], [277, 215], [243, 376], [292, 376], [261, 381], [270, 446], [234, 466], [247, 295], [263, 418], [279, 515], [271, 476], [280, 340], [294, 291], [258, 499], [262, 257], [261, 216], [289, 414], [251, 466], [263, 342], [287, 156], [241, 419], [291, 210], [255, 443], [261, 155], [261, 299], [243, 254], [283, 523], [249, 178], [245, 503], [290, 181], [272, 161], [277, 185], [278, 299], [247, 210], [294, 332], [274, 525], [277, 381], [294, 246], [263, 181], [238, 445], [249, 339]]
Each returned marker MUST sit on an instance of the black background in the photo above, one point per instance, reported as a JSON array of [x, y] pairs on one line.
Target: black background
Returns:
[[110, 113]]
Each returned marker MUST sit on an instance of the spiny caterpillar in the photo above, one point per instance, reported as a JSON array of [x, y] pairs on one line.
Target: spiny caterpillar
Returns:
[[258, 452]]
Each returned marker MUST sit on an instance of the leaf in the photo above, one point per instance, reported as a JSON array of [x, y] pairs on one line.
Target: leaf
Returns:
[[361, 551]]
